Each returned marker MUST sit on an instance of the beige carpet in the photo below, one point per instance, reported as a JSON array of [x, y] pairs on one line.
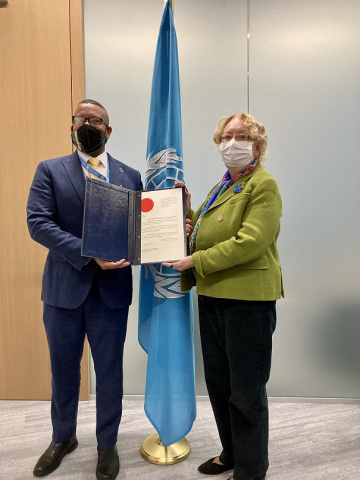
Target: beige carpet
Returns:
[[308, 441]]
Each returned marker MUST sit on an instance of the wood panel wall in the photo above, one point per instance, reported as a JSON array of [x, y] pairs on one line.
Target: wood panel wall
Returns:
[[41, 82]]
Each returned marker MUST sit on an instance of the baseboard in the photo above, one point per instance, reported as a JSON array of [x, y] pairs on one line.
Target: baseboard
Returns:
[[314, 400], [204, 398]]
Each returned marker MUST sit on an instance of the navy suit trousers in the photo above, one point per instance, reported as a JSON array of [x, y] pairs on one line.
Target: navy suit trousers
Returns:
[[106, 330]]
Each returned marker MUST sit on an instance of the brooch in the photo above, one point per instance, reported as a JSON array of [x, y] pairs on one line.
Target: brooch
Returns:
[[238, 188]]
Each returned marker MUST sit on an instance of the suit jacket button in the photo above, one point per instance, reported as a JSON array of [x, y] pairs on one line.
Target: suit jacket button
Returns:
[[219, 218]]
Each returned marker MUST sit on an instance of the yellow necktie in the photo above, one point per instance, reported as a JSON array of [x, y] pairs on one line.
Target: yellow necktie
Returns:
[[94, 162]]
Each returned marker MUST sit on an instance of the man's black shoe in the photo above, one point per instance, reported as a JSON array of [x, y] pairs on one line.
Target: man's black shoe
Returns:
[[51, 458], [108, 463]]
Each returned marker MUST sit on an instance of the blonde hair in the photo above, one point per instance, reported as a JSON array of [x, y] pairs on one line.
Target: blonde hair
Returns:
[[255, 130]]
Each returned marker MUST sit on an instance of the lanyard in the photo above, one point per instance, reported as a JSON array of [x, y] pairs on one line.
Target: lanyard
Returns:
[[94, 172]]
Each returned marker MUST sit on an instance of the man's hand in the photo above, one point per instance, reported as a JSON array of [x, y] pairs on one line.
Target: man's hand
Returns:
[[106, 265]]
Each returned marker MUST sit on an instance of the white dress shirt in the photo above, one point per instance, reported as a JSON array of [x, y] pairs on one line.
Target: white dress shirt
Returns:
[[102, 166]]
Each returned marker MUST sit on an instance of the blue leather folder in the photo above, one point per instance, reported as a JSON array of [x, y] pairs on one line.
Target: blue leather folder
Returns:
[[112, 222], [109, 222]]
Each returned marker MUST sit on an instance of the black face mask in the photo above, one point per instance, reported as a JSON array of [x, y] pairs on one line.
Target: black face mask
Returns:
[[88, 138]]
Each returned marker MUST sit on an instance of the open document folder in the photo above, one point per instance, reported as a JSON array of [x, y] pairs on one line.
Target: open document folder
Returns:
[[140, 226]]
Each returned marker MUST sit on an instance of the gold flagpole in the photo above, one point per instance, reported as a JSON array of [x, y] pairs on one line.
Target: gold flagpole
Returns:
[[152, 448]]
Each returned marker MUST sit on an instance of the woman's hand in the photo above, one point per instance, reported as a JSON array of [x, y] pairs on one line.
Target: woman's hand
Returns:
[[188, 196], [189, 227], [181, 265]]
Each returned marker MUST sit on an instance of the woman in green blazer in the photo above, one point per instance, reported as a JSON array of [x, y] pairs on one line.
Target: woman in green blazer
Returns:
[[235, 266]]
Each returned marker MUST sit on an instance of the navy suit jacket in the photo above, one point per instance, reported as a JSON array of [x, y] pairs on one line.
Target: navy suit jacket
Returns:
[[55, 217]]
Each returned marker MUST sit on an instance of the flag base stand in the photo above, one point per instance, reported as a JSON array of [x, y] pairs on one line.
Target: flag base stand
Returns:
[[153, 451]]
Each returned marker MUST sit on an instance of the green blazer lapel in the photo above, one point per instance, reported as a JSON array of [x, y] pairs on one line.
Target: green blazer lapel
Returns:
[[227, 195], [230, 191]]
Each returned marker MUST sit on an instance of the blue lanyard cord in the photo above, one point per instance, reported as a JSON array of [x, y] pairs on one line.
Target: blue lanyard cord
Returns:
[[94, 172]]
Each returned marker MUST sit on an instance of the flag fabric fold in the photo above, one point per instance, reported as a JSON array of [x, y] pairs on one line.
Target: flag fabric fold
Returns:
[[166, 325]]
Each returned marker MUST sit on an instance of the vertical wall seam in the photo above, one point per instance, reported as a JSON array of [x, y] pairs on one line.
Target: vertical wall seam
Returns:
[[248, 56], [71, 65]]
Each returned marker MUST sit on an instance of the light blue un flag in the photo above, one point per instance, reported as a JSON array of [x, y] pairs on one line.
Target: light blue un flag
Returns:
[[166, 325]]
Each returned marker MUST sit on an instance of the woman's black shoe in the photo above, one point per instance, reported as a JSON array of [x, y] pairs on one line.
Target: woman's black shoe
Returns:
[[257, 478], [211, 468]]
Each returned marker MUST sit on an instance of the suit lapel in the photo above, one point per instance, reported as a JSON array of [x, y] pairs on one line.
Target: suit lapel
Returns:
[[76, 175], [116, 171]]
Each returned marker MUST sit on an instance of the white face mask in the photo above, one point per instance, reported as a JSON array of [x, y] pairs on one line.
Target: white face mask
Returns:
[[236, 154]]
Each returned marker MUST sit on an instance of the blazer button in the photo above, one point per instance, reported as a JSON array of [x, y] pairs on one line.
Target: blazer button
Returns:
[[219, 218]]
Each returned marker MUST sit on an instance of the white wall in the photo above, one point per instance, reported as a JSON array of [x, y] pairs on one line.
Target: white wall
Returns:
[[305, 87]]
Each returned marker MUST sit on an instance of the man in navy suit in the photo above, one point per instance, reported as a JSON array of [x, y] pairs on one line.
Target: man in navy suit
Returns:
[[82, 296]]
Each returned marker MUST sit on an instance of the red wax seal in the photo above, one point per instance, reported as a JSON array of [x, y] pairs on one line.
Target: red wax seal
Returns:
[[147, 204]]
